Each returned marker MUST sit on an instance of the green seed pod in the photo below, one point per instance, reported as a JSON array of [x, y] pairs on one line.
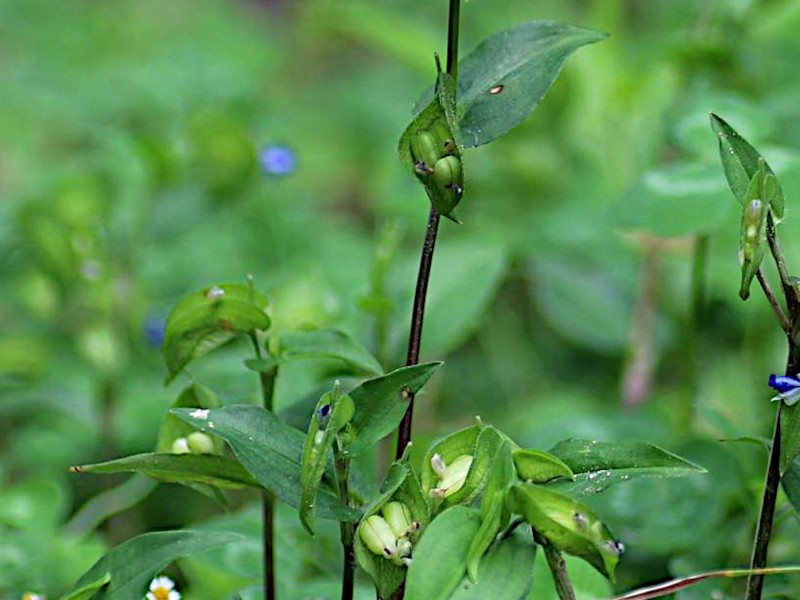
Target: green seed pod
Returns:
[[447, 172], [180, 446], [378, 537], [425, 149], [454, 477], [447, 145], [751, 225], [399, 518], [200, 443]]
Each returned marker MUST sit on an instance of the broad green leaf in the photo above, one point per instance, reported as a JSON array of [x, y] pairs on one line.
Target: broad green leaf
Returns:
[[440, 557], [753, 230], [432, 141], [740, 163], [675, 200], [88, 590], [569, 525], [599, 465], [329, 343], [133, 563], [380, 404], [204, 320], [790, 435], [483, 443], [332, 413], [508, 74], [791, 484], [506, 571], [192, 396], [494, 515], [386, 575], [269, 450], [210, 469], [535, 466]]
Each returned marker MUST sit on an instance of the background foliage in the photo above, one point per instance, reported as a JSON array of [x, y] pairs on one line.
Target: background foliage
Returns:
[[132, 171]]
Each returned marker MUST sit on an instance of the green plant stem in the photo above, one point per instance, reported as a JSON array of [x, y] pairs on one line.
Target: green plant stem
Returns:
[[557, 567], [773, 301], [347, 530], [426, 260], [267, 379], [788, 290]]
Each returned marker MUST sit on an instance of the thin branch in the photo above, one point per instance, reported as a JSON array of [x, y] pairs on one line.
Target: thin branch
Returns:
[[788, 290], [773, 301], [557, 567]]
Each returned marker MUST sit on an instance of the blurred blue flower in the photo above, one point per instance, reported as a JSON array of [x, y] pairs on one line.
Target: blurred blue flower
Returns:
[[153, 330], [278, 160], [788, 388]]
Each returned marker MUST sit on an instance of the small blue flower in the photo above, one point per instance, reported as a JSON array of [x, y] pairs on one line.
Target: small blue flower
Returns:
[[153, 330], [788, 388], [324, 415], [278, 160]]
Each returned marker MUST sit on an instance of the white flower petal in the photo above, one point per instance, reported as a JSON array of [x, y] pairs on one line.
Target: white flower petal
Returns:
[[174, 595], [150, 596]]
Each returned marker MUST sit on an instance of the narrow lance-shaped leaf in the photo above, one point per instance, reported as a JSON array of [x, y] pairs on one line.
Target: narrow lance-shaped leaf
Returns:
[[599, 465], [740, 163], [133, 563], [535, 466], [440, 557], [430, 148], [210, 469], [332, 413], [753, 232], [204, 320], [269, 450], [568, 525], [87, 591], [380, 404]]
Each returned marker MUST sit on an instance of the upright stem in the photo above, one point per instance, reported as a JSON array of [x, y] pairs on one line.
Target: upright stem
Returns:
[[347, 530], [426, 260], [267, 379], [558, 569]]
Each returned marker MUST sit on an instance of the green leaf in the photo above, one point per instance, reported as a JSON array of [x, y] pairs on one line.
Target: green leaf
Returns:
[[523, 62], [494, 515], [210, 469], [322, 432], [88, 590], [791, 484], [540, 467], [790, 435], [133, 563], [672, 201], [424, 149], [440, 557], [204, 320], [599, 465], [740, 163], [328, 343], [481, 442], [753, 230], [108, 503], [380, 404], [506, 571], [192, 396], [269, 450], [569, 525]]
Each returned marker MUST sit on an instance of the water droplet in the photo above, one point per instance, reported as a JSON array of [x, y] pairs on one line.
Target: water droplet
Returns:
[[496, 89], [215, 293], [200, 413]]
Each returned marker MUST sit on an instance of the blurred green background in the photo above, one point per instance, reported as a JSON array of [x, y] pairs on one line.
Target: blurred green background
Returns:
[[148, 149]]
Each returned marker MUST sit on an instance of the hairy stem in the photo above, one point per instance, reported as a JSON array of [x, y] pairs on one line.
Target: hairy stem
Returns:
[[347, 531], [426, 260], [267, 379], [558, 569]]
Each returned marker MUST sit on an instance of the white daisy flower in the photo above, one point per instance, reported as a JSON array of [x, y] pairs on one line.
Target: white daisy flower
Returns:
[[163, 588]]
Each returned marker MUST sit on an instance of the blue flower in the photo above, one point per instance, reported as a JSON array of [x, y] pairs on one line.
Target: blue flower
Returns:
[[788, 388], [153, 330], [278, 160]]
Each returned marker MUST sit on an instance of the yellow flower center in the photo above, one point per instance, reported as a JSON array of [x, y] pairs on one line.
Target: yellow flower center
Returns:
[[161, 593]]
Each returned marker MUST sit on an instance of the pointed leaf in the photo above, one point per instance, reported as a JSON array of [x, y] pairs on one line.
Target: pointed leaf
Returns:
[[440, 557], [380, 404], [133, 563], [599, 465], [219, 471], [740, 163], [791, 484], [790, 435], [535, 466], [204, 320], [269, 450], [87, 591], [508, 74], [568, 525], [506, 571], [330, 343]]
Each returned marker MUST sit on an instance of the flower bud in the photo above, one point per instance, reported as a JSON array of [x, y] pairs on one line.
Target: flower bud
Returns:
[[447, 144], [403, 548], [398, 516], [453, 478], [180, 446], [200, 443], [424, 148], [378, 537], [438, 466], [751, 227], [447, 172]]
